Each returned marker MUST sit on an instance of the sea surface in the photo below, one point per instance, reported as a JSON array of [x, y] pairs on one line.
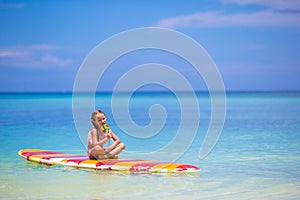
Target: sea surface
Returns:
[[257, 155]]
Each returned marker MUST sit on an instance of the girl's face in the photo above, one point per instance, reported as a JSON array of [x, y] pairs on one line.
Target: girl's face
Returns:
[[101, 119]]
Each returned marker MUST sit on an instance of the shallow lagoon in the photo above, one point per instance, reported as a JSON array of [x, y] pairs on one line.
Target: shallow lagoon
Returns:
[[256, 157]]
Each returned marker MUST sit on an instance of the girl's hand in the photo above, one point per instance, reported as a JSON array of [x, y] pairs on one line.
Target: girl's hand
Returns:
[[105, 128]]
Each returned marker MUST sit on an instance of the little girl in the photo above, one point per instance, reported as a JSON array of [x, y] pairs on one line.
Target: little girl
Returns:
[[97, 138]]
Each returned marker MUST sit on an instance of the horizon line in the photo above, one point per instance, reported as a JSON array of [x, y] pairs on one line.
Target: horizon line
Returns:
[[146, 91]]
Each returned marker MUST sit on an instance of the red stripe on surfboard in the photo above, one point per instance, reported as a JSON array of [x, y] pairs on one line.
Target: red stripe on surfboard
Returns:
[[74, 156], [28, 154], [186, 168], [100, 163], [78, 161], [145, 166]]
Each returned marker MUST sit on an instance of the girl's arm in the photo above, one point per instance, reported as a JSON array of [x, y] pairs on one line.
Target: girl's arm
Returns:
[[115, 138]]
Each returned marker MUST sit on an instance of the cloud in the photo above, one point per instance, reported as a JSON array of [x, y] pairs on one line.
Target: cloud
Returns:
[[55, 61], [10, 53], [276, 13], [273, 4], [219, 19], [33, 56]]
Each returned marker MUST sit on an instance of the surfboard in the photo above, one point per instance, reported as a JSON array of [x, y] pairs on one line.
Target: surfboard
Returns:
[[83, 161]]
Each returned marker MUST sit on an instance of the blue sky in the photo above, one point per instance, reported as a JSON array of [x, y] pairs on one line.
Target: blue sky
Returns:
[[254, 43]]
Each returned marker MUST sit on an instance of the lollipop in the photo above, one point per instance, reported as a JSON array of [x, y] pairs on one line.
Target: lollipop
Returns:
[[105, 128]]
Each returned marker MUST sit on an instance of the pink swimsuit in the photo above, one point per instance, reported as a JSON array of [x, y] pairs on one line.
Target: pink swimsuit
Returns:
[[90, 143]]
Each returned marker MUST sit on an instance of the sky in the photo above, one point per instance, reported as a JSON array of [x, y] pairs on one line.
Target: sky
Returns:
[[255, 44]]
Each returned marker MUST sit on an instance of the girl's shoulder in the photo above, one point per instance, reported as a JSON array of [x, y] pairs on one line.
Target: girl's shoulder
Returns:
[[93, 131]]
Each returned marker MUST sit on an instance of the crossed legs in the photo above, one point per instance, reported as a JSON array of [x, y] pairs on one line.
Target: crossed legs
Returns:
[[107, 153]]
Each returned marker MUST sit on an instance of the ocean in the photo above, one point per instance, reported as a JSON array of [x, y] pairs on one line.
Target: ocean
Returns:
[[257, 155]]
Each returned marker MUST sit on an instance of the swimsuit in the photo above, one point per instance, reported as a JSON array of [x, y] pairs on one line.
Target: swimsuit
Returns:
[[90, 143]]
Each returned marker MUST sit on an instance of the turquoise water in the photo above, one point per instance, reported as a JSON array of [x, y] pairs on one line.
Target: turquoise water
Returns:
[[256, 157]]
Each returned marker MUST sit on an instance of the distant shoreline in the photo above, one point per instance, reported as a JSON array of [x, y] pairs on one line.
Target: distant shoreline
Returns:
[[147, 92]]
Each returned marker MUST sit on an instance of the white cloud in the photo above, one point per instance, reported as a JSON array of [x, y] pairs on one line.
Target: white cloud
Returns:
[[32, 56], [11, 53], [277, 13], [218, 19], [274, 4], [55, 61]]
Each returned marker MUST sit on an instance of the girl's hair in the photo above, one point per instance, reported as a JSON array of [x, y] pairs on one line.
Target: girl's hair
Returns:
[[94, 119], [100, 111]]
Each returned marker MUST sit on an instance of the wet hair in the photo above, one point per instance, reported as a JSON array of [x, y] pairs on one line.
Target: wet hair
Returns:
[[94, 119]]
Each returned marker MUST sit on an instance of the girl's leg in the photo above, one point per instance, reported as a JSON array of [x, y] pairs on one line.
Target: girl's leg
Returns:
[[120, 147], [98, 152]]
